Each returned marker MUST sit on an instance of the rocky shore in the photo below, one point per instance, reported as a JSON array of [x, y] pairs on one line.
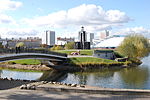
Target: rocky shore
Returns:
[[26, 67]]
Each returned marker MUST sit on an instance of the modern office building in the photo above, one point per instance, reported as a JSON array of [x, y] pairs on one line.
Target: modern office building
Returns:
[[50, 38], [91, 38], [104, 34]]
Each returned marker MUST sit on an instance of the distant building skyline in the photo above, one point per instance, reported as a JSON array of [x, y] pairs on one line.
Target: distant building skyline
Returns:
[[29, 42]]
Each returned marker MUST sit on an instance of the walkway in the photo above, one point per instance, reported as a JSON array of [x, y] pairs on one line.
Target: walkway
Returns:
[[17, 94]]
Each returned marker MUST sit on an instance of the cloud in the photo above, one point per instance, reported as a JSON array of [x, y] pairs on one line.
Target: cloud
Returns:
[[92, 16], [133, 30], [9, 5], [16, 33], [4, 19]]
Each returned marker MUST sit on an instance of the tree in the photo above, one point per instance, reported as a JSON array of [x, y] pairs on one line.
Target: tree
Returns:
[[70, 45], [43, 45], [57, 47], [20, 44], [134, 46], [1, 46]]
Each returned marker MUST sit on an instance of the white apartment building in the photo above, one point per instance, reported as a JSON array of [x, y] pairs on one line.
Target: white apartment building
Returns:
[[49, 38]]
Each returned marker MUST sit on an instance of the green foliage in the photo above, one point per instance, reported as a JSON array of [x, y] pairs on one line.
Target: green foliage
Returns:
[[20, 44], [91, 61], [57, 47], [53, 48], [1, 46], [134, 46], [70, 45]]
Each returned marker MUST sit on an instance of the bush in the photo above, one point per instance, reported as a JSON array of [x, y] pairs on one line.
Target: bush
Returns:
[[134, 46], [70, 45], [57, 47], [11, 62]]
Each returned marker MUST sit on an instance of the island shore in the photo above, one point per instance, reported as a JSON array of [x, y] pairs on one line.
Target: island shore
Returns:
[[26, 67]]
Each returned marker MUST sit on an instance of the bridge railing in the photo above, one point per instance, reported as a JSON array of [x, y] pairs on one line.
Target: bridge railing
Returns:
[[27, 50]]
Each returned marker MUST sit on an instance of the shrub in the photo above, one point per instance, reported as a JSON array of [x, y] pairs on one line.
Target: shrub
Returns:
[[57, 47], [70, 45], [134, 46]]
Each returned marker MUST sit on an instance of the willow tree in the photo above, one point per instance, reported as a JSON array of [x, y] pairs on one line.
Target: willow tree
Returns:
[[134, 46]]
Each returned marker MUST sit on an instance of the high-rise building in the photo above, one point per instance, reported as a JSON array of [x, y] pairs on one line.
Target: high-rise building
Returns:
[[104, 34], [91, 38], [50, 38]]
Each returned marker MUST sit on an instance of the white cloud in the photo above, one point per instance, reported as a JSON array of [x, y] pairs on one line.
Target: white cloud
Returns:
[[4, 19], [92, 16], [9, 5], [16, 33], [133, 30]]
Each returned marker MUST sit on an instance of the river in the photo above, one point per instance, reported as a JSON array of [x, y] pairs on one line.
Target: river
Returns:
[[130, 78]]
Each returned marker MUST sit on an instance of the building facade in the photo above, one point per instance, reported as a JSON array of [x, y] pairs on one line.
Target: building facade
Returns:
[[104, 34], [63, 41], [91, 38], [29, 42], [50, 38]]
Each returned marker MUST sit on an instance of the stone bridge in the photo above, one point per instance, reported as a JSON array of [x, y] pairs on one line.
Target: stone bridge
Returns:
[[49, 58]]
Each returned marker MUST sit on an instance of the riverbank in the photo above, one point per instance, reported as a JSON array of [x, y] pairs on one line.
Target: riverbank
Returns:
[[17, 94], [26, 67]]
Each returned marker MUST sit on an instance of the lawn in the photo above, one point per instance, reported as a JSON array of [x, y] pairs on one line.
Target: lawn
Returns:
[[78, 60], [82, 52], [26, 62]]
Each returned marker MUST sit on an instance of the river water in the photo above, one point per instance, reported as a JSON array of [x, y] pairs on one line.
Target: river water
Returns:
[[130, 78]]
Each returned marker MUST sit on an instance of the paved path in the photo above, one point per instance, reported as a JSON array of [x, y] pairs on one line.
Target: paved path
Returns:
[[17, 94]]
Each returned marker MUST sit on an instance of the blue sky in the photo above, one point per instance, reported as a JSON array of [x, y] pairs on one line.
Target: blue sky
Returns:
[[23, 18]]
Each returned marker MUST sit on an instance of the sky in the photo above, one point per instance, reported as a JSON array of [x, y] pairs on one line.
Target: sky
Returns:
[[31, 18]]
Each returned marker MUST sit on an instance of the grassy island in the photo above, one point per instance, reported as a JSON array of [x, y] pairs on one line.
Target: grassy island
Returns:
[[95, 62]]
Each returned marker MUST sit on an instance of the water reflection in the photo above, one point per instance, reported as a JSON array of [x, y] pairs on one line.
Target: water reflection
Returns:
[[20, 74], [53, 76], [135, 77], [90, 78], [42, 76]]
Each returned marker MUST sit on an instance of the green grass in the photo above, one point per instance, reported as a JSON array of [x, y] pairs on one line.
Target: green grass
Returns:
[[26, 62], [78, 60], [91, 61], [82, 52]]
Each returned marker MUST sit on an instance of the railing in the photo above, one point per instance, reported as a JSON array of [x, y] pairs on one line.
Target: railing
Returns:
[[27, 50]]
